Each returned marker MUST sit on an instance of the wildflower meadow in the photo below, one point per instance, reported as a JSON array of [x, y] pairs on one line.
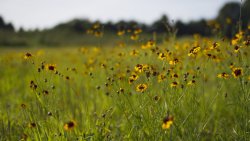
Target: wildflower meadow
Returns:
[[194, 88]]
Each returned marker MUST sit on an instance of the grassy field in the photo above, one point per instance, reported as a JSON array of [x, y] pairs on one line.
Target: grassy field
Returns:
[[193, 89]]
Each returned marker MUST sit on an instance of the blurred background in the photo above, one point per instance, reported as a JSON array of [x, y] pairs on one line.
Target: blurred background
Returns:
[[37, 23]]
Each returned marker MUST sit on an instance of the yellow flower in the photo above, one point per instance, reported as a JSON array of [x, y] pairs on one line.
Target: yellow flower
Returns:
[[145, 67], [149, 44], [51, 67], [237, 72], [98, 34], [141, 87], [173, 62], [162, 56], [27, 55], [129, 30], [132, 78], [231, 66], [121, 44], [215, 45], [96, 25], [89, 31], [134, 52], [144, 46], [69, 125], [137, 31], [223, 75], [139, 68], [167, 122], [192, 82], [24, 106], [174, 75], [239, 35], [236, 49], [134, 37], [32, 125], [121, 32], [83, 50], [194, 51], [237, 38], [161, 77], [174, 84], [247, 42], [234, 41]]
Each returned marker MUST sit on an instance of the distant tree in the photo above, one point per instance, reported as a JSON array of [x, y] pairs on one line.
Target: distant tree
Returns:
[[144, 28], [245, 13], [120, 25], [230, 10], [76, 25], [127, 25], [109, 26], [5, 26], [86, 24], [1, 22], [160, 25], [9, 27], [228, 17], [181, 28], [21, 30], [193, 27], [132, 24]]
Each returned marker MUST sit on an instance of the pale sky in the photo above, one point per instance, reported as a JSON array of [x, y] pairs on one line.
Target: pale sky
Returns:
[[41, 14]]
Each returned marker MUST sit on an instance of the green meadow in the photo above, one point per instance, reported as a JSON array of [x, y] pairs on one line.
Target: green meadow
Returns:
[[180, 89]]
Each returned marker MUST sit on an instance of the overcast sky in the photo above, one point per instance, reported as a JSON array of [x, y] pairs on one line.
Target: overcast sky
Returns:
[[32, 14]]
